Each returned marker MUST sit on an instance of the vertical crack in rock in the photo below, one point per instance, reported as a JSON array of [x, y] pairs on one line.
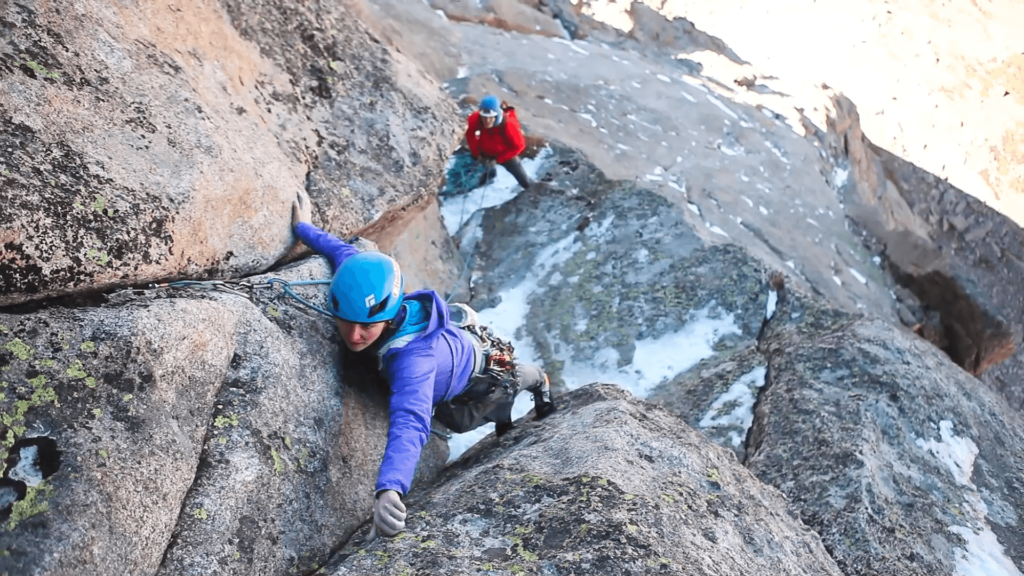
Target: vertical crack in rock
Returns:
[[195, 476], [776, 300]]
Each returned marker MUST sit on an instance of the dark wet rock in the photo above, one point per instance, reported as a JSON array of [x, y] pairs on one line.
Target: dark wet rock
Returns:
[[901, 461], [611, 485], [610, 281], [169, 141], [198, 433]]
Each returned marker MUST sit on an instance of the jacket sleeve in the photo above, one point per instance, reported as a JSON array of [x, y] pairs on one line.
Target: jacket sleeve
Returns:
[[472, 125], [514, 137], [324, 243], [411, 374]]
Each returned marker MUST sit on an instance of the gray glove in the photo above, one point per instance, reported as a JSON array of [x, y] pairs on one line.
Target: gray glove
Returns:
[[302, 209], [388, 514]]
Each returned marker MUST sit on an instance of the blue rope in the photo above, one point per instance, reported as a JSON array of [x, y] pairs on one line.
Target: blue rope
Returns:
[[287, 286]]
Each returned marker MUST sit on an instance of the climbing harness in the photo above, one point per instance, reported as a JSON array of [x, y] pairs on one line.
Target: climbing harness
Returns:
[[499, 369]]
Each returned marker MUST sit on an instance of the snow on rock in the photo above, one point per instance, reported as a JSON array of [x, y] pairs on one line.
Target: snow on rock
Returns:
[[983, 554], [456, 210], [734, 409]]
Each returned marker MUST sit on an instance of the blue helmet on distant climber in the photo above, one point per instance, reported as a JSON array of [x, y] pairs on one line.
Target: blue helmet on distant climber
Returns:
[[490, 107], [367, 288]]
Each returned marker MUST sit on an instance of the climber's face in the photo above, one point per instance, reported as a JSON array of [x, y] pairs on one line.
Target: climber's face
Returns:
[[357, 336], [488, 121]]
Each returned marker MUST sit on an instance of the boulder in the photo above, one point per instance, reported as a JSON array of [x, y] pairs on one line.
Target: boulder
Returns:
[[900, 460], [198, 432], [606, 281], [611, 485], [147, 142]]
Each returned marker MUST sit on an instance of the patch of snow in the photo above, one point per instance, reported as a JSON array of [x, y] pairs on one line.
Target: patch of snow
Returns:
[[840, 176], [658, 170], [724, 108], [813, 223], [791, 264], [858, 276], [739, 400], [695, 83], [716, 229], [877, 260], [837, 280], [776, 150], [677, 187], [688, 97], [442, 15], [456, 210], [463, 72], [762, 209], [664, 78], [984, 555], [956, 453], [748, 201], [572, 45], [653, 178], [679, 159], [642, 255], [602, 130], [623, 146], [693, 208], [744, 177], [654, 359], [593, 123], [27, 470], [769, 309], [729, 148]]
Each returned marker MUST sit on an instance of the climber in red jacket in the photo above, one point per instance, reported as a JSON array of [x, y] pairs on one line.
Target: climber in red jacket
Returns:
[[494, 137]]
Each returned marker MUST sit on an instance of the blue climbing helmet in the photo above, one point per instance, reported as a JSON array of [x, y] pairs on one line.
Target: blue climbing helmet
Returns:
[[490, 107], [367, 288]]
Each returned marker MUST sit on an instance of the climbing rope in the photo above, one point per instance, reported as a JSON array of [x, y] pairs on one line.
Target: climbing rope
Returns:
[[245, 289]]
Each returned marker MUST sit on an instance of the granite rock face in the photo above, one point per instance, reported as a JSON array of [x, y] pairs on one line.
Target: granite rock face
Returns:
[[148, 141], [611, 485], [900, 460], [198, 433]]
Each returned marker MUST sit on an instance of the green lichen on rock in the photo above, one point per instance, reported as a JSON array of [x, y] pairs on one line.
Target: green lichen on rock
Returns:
[[36, 501], [223, 421], [278, 464], [200, 513], [46, 363], [88, 346], [20, 350], [76, 370]]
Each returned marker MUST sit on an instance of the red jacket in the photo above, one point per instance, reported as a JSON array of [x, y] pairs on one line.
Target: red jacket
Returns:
[[502, 142]]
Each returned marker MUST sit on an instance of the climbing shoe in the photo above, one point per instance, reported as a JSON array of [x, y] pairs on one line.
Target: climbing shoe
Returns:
[[501, 428], [543, 403]]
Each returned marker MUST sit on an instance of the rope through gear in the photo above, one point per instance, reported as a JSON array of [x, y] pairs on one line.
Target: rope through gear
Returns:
[[236, 287]]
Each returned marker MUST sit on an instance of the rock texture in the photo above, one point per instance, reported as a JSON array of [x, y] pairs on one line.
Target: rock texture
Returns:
[[153, 141], [199, 433], [612, 485], [902, 462], [606, 280], [958, 257]]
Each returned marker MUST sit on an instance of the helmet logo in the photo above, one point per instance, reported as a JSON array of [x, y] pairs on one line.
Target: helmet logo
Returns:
[[370, 300], [397, 287]]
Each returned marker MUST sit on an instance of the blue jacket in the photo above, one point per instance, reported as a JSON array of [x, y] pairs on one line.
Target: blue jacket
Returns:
[[426, 360]]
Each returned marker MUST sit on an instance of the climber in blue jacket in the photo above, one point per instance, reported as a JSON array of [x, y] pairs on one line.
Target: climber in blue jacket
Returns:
[[466, 373]]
